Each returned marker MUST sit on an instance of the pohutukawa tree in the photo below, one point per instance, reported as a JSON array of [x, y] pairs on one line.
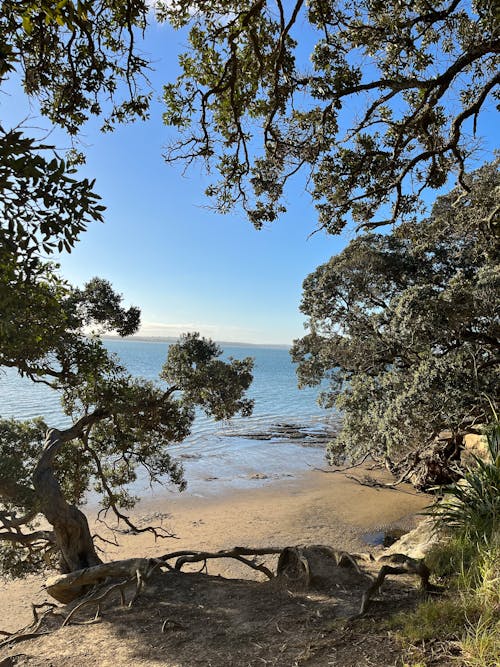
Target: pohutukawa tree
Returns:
[[373, 100], [79, 59], [118, 424], [406, 329]]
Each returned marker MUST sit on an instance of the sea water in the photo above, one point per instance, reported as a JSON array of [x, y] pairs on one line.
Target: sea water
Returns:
[[285, 435]]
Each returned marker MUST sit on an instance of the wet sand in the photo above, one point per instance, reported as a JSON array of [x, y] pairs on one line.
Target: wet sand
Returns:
[[314, 508]]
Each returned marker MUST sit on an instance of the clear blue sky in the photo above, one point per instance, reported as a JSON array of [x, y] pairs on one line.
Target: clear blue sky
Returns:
[[184, 266]]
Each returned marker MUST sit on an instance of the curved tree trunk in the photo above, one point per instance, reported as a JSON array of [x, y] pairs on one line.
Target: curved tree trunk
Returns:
[[71, 529]]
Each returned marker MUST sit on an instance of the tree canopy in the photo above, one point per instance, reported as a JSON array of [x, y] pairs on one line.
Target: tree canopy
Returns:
[[381, 113], [374, 101], [77, 60], [406, 328]]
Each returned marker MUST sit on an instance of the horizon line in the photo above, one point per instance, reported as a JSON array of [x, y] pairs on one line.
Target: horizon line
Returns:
[[169, 339]]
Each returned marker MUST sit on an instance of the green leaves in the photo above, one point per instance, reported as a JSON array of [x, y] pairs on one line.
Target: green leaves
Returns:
[[193, 367], [74, 54], [472, 506], [42, 208], [382, 79], [405, 326]]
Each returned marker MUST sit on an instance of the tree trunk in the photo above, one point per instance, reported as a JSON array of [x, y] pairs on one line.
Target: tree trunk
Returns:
[[70, 525], [432, 466]]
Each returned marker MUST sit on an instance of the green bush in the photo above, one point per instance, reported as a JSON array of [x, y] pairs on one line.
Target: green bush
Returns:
[[469, 564]]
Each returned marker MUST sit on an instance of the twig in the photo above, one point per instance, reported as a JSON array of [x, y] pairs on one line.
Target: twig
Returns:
[[374, 484], [342, 470]]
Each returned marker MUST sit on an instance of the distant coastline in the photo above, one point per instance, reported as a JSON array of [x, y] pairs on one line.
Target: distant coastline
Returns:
[[174, 339]]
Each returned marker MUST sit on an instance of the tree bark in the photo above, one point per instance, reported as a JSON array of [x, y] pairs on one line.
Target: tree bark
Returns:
[[71, 529]]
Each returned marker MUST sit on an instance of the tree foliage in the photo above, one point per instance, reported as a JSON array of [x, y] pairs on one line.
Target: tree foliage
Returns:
[[119, 424], [405, 326], [381, 111], [76, 60], [80, 59]]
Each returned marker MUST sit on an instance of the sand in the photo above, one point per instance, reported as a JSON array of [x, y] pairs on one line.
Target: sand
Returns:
[[314, 508]]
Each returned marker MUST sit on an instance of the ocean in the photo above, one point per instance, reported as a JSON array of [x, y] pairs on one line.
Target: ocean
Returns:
[[285, 436]]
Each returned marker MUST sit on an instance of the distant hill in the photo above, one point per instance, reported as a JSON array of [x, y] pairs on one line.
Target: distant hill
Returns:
[[173, 339]]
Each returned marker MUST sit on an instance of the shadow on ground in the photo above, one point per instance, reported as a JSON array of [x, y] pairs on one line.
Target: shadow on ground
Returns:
[[195, 619]]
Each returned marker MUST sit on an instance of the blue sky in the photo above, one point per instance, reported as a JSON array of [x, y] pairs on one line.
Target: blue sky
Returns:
[[184, 266]]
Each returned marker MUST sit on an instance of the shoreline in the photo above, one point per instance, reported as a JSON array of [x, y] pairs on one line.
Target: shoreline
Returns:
[[314, 507]]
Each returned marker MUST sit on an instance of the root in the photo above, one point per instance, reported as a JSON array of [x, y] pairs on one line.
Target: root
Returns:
[[402, 565], [67, 587], [97, 598], [30, 631], [238, 553], [299, 567]]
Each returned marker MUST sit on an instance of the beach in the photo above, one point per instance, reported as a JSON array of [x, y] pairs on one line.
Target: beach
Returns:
[[311, 508]]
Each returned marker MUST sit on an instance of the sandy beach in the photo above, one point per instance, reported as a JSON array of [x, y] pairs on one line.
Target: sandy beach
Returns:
[[314, 508]]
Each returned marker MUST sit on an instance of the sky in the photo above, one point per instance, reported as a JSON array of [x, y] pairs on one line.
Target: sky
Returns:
[[187, 268]]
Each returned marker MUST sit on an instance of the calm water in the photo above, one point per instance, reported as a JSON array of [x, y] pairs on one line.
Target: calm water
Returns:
[[279, 439]]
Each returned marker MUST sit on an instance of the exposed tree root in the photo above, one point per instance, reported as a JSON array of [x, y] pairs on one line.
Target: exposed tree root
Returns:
[[32, 630], [238, 553], [299, 568], [67, 587], [402, 565]]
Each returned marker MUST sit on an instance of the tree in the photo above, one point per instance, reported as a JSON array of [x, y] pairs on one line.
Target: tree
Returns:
[[380, 113], [80, 59], [405, 326], [118, 423], [76, 59]]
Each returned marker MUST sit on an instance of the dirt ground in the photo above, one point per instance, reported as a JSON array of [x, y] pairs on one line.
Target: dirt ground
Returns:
[[232, 616]]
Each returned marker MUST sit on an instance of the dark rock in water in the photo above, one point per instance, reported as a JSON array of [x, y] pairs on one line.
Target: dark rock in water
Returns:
[[303, 435], [259, 475]]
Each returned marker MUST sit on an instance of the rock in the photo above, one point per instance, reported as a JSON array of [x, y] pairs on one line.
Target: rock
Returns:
[[475, 444], [418, 542]]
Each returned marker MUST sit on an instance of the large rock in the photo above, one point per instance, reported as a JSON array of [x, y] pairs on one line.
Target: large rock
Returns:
[[418, 542]]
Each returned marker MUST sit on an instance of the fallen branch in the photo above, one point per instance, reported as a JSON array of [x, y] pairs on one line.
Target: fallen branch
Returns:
[[375, 484], [345, 468]]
